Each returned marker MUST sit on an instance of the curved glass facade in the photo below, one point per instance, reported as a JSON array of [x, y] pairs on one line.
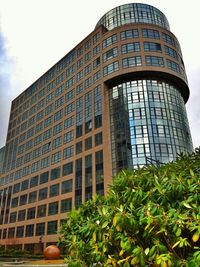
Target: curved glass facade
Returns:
[[148, 123], [133, 13]]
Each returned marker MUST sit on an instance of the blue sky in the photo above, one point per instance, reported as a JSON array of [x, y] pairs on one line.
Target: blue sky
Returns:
[[35, 34]]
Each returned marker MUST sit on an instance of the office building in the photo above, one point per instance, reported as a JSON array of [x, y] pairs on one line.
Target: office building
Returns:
[[116, 100]]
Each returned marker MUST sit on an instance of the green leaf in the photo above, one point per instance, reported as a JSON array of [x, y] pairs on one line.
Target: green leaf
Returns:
[[178, 232], [176, 244], [146, 251], [195, 236], [187, 205], [104, 225]]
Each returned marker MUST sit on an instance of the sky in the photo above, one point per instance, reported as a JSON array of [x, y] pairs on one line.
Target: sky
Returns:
[[35, 34]]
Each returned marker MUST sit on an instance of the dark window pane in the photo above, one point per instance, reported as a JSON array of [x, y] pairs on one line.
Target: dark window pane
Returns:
[[43, 193], [44, 177], [55, 173], [66, 205], [54, 190], [52, 227], [41, 211], [67, 186]]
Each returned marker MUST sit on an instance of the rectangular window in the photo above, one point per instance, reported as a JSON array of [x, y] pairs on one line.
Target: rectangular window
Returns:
[[53, 208], [98, 121], [98, 139], [79, 63], [88, 143], [130, 47], [45, 162], [41, 211], [79, 88], [58, 115], [87, 69], [43, 193], [96, 76], [59, 90], [153, 47], [40, 229], [32, 197], [57, 128], [69, 108], [66, 186], [96, 37], [79, 147], [66, 205], [16, 188], [131, 62], [96, 63], [39, 127], [68, 152], [67, 168], [88, 177], [69, 95], [57, 142], [21, 215], [44, 177], [55, 173], [55, 158], [129, 34], [96, 50], [112, 53], [31, 213], [11, 232], [88, 82], [154, 61], [171, 52], [168, 39], [99, 172], [70, 82], [109, 41], [173, 66], [47, 134], [29, 230], [110, 68], [150, 33], [36, 152], [20, 231], [87, 56], [69, 122], [48, 121], [79, 75], [34, 181], [52, 227], [54, 190], [13, 217], [23, 200], [69, 136]]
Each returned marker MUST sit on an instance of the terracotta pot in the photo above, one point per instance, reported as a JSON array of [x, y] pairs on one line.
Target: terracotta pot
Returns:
[[51, 253]]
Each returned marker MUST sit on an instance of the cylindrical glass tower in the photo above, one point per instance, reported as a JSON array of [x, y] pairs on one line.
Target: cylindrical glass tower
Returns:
[[147, 87]]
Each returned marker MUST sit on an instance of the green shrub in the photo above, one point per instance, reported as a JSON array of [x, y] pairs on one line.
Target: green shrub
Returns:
[[150, 217]]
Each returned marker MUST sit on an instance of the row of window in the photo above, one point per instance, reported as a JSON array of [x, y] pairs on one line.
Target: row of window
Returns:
[[50, 109], [41, 211], [46, 148], [137, 61], [146, 33], [56, 143], [30, 230]]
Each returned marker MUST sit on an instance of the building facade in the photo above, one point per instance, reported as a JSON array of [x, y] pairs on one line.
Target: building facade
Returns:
[[116, 100]]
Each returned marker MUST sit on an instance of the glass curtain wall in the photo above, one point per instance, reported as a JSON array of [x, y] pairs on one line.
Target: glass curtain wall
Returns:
[[149, 124]]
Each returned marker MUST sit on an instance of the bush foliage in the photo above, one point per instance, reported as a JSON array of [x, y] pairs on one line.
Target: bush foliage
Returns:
[[150, 217]]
